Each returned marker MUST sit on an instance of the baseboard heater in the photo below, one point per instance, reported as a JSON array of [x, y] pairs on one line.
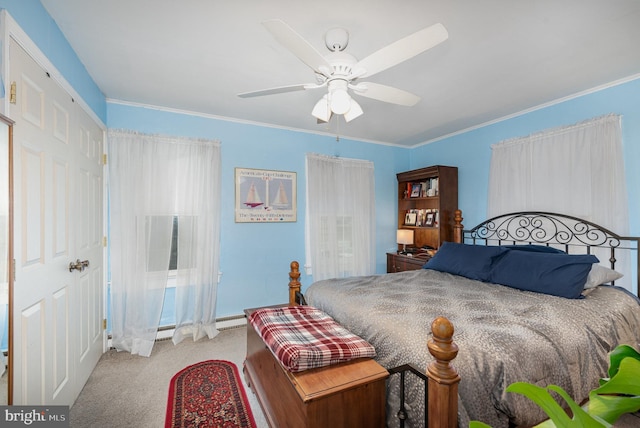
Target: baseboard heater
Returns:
[[223, 323]]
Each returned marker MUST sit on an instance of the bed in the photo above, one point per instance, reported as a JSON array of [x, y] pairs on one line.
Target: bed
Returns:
[[546, 333]]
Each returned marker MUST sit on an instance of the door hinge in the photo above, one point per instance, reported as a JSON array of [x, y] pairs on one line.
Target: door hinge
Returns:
[[104, 159], [104, 241], [104, 324], [12, 93]]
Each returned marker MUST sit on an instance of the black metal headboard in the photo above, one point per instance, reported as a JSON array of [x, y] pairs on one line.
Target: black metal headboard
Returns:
[[571, 234]]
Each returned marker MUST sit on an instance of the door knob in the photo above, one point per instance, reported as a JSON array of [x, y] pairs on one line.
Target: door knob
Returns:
[[78, 265]]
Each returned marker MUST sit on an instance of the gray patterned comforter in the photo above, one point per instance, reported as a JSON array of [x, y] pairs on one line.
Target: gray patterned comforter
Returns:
[[504, 336]]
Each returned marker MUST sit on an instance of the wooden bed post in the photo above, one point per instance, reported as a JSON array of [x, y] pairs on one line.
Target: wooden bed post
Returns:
[[457, 226], [443, 377], [294, 284]]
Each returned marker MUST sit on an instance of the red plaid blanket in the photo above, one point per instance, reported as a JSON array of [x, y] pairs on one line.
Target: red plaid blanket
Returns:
[[304, 337]]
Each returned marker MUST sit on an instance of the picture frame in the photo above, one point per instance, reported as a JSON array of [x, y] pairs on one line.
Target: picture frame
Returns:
[[410, 219], [265, 196], [415, 190], [429, 220]]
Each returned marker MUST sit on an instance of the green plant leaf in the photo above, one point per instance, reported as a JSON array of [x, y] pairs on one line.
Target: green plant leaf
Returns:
[[611, 407], [477, 424], [625, 381], [618, 354], [620, 393], [546, 424], [580, 418], [617, 395], [544, 399]]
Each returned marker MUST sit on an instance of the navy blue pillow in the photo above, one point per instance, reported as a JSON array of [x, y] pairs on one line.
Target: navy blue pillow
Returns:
[[533, 247], [558, 274], [470, 261]]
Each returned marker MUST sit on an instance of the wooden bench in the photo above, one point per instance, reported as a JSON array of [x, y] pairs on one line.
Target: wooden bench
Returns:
[[350, 394]]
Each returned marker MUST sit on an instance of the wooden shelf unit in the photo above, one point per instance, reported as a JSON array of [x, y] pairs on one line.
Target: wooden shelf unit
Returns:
[[445, 202]]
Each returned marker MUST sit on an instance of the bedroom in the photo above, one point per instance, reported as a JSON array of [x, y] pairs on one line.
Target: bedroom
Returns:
[[243, 146]]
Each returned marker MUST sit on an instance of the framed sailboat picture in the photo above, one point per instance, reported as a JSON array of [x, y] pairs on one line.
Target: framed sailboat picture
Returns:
[[265, 196]]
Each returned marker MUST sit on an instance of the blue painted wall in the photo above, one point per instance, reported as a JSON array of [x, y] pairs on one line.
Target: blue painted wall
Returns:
[[471, 151], [255, 257]]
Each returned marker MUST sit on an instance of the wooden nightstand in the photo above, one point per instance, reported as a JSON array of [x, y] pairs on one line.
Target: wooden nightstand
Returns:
[[400, 262]]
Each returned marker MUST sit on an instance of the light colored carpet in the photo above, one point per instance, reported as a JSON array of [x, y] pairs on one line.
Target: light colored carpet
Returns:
[[131, 391], [4, 388]]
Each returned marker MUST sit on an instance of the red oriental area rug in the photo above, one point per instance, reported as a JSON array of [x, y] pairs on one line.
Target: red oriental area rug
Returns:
[[208, 394]]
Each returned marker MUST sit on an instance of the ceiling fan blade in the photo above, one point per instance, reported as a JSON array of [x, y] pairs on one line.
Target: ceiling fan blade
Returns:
[[271, 91], [293, 41], [385, 93], [403, 49]]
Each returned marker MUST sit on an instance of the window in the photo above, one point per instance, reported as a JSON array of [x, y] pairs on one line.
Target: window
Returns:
[[173, 256], [155, 229], [152, 179], [341, 227], [576, 170], [340, 217]]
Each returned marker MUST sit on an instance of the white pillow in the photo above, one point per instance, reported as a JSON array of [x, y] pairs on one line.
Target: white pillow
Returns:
[[599, 275]]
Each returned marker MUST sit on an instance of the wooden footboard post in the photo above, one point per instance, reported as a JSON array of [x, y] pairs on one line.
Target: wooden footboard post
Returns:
[[443, 377], [457, 226], [294, 284]]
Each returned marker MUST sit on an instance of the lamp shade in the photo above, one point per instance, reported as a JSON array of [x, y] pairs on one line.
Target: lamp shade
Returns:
[[404, 236], [322, 110]]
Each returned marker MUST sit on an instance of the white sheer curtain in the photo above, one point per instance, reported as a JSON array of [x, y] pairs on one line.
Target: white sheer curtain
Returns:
[[576, 170], [154, 180], [340, 217]]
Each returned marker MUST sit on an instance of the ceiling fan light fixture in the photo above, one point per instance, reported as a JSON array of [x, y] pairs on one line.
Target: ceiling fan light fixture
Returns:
[[321, 110], [339, 70], [354, 111], [340, 101]]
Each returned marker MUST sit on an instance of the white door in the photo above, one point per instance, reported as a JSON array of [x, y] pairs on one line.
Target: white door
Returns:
[[58, 313]]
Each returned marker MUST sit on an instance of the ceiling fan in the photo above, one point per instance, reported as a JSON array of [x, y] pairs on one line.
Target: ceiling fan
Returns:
[[340, 71]]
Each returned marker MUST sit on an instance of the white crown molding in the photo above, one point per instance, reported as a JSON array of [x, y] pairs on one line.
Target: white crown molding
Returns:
[[538, 107], [241, 121]]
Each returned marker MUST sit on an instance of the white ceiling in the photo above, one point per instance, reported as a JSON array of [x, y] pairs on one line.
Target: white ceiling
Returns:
[[502, 57]]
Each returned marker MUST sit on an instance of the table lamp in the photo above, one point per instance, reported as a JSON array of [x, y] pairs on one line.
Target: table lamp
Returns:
[[404, 237]]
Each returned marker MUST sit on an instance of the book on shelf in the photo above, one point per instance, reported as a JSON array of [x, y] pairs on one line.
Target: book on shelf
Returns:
[[422, 189], [431, 187]]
